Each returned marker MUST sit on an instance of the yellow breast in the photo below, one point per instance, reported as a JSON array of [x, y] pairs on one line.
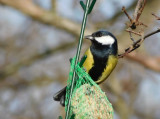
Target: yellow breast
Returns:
[[89, 63]]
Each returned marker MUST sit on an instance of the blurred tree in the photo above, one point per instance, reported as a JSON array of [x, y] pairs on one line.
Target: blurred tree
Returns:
[[37, 38]]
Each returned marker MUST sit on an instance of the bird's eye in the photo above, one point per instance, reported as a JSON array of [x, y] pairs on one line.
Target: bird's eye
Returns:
[[98, 34]]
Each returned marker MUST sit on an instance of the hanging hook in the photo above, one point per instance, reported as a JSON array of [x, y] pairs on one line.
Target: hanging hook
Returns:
[[90, 7]]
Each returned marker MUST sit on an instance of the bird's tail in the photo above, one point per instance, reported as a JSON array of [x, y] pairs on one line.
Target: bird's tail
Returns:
[[60, 96]]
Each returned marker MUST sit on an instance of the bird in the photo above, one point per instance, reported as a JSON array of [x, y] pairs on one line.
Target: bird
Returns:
[[102, 58]]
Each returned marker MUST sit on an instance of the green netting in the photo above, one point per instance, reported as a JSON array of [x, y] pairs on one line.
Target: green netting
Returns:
[[88, 100]]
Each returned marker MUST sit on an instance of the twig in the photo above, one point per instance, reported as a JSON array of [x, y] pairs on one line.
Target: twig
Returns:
[[124, 10], [157, 17], [137, 44], [136, 33], [139, 9], [131, 37], [134, 22]]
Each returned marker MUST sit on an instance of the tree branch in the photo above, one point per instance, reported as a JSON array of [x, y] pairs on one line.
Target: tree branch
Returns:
[[137, 44], [134, 22], [42, 15], [13, 68], [157, 17], [48, 17], [148, 62]]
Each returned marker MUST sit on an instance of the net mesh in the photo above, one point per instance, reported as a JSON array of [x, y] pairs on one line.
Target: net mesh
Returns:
[[88, 100]]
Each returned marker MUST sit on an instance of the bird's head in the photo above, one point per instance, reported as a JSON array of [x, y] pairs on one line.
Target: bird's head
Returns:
[[103, 39]]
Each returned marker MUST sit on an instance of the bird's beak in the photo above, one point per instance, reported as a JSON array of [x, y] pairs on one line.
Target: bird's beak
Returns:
[[89, 37]]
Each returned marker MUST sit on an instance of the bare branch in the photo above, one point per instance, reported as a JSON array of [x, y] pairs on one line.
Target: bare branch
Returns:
[[157, 17], [139, 9], [134, 22], [124, 10], [44, 16], [137, 44], [13, 68], [136, 33], [149, 62]]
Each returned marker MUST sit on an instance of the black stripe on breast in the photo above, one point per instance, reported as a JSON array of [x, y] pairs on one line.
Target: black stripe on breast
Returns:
[[100, 60]]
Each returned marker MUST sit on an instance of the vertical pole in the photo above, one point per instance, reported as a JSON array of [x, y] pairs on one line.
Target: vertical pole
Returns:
[[77, 55]]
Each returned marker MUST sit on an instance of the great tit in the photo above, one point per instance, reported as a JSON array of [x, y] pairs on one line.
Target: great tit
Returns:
[[101, 59]]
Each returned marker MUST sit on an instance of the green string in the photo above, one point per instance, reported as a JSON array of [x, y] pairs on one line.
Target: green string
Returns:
[[90, 8]]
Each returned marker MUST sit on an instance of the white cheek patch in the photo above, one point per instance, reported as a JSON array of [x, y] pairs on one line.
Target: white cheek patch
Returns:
[[105, 40]]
